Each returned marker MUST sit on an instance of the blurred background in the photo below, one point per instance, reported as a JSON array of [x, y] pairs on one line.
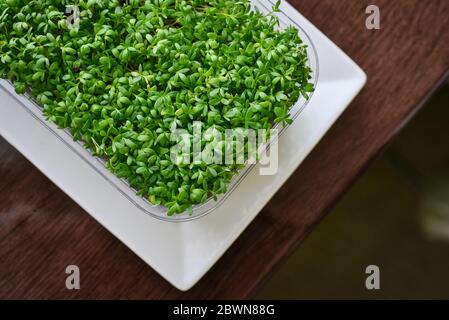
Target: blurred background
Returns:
[[396, 217]]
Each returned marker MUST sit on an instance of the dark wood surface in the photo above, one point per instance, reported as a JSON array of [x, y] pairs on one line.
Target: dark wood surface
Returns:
[[42, 230]]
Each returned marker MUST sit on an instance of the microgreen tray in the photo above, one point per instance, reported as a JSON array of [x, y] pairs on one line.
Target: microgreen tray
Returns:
[[160, 211]]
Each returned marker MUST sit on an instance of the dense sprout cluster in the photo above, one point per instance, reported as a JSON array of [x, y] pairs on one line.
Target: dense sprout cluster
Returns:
[[135, 70]]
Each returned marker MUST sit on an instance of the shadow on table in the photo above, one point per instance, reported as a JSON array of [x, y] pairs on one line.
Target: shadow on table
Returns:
[[396, 217]]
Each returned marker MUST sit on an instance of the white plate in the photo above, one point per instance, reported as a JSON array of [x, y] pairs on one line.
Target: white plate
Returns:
[[183, 252]]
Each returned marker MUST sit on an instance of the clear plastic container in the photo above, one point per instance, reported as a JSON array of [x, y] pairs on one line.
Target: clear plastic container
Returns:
[[160, 212]]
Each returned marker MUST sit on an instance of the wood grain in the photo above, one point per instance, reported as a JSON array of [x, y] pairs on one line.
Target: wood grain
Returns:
[[42, 230]]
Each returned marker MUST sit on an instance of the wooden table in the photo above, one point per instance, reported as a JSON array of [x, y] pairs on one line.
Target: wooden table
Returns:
[[42, 230]]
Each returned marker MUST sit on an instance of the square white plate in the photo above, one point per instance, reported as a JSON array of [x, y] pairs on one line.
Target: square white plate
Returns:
[[183, 252]]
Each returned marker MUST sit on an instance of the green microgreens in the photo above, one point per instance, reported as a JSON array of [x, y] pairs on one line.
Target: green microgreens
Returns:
[[134, 70]]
